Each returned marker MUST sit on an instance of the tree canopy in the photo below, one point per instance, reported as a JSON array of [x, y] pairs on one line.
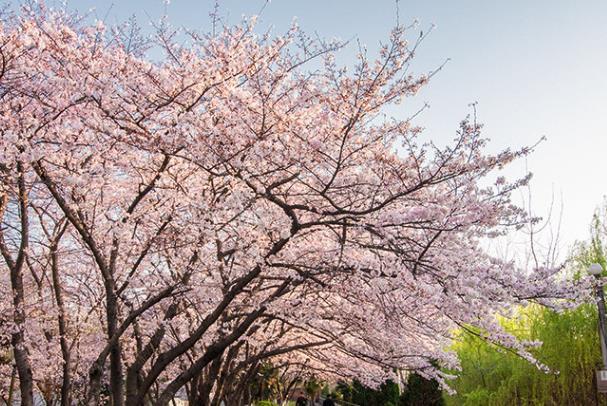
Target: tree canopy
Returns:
[[174, 224]]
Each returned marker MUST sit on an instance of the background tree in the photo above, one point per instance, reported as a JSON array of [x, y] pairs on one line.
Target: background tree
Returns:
[[421, 391], [570, 348]]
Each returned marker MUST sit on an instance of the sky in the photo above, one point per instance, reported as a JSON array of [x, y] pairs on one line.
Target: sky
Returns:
[[535, 68]]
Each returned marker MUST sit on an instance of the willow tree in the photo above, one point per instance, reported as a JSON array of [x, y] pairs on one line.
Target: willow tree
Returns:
[[570, 348]]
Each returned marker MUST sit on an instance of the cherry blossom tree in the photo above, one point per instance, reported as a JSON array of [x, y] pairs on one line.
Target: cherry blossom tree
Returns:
[[175, 224]]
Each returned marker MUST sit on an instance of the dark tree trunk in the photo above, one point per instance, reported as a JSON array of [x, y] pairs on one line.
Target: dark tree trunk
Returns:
[[65, 348], [24, 369]]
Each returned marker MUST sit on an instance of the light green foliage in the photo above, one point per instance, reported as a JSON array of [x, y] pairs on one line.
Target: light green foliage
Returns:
[[492, 376], [570, 348], [265, 403]]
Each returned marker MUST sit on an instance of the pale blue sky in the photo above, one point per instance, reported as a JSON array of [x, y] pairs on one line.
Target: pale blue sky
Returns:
[[535, 68]]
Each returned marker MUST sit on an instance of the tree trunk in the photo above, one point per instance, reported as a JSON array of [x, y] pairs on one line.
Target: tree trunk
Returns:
[[65, 349], [116, 381], [26, 382]]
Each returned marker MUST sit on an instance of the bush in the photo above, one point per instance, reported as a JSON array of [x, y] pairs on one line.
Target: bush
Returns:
[[265, 403]]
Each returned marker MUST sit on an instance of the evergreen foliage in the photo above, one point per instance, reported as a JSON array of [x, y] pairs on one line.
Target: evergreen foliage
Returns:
[[419, 391]]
